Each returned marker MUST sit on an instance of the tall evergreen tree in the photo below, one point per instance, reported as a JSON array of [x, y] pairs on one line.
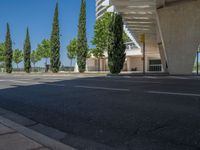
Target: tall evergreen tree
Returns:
[[82, 47], [55, 43], [27, 53], [2, 52], [8, 51], [116, 46]]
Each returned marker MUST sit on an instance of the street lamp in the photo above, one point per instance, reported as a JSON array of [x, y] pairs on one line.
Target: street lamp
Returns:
[[198, 60], [142, 40]]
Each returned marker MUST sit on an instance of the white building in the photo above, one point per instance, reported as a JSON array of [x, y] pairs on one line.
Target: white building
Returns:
[[101, 8], [134, 55], [171, 28]]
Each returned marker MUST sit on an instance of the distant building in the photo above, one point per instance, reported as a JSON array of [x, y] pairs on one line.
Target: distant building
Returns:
[[134, 55], [171, 29]]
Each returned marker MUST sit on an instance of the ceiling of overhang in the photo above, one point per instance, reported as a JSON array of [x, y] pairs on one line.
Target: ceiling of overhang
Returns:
[[140, 15]]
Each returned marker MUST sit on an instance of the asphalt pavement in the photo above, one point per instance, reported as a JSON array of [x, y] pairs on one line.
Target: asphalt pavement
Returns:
[[105, 113]]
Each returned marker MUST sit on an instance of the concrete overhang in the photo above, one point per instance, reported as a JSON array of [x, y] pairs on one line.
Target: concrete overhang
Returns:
[[140, 15]]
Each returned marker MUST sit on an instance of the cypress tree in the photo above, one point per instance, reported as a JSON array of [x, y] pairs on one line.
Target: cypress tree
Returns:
[[116, 46], [27, 53], [8, 51], [82, 47], [55, 43]]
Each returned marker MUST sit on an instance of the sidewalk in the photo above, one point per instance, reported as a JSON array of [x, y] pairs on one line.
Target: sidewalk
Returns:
[[16, 137], [10, 139]]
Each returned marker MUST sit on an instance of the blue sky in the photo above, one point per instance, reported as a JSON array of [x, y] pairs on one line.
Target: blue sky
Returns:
[[38, 16]]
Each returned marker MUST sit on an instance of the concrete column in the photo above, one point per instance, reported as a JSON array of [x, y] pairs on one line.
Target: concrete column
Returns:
[[163, 57], [180, 30], [146, 64], [101, 65], [76, 67], [161, 46], [152, 49], [128, 64]]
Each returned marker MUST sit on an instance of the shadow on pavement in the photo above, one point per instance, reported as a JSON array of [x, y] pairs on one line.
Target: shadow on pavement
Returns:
[[115, 119]]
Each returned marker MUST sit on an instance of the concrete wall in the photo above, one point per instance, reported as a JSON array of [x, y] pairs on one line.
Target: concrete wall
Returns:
[[152, 49], [137, 62], [92, 64], [134, 62], [180, 31]]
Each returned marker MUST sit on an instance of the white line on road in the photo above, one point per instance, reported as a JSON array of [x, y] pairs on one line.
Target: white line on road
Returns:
[[35, 83], [23, 82], [172, 93], [25, 79], [102, 88], [119, 80], [178, 77], [15, 81], [53, 84]]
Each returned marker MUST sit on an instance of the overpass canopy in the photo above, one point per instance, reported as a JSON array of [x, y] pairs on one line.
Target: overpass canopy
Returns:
[[140, 15]]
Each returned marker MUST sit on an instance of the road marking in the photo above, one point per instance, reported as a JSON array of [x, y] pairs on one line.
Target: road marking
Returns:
[[177, 77], [130, 81], [102, 88], [52, 84], [16, 81], [24, 79], [172, 93], [33, 83], [151, 77]]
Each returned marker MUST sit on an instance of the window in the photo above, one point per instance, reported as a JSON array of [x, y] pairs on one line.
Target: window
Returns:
[[155, 65]]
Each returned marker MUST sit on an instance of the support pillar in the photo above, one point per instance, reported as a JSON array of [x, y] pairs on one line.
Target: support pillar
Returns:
[[180, 30]]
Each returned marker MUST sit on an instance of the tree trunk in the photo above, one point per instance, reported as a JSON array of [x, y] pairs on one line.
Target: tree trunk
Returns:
[[46, 61], [98, 61], [46, 67], [197, 63]]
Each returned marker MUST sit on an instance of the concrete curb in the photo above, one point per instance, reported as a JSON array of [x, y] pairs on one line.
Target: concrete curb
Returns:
[[35, 136]]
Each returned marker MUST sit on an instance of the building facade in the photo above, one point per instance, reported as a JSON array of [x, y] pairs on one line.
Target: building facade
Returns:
[[101, 8], [134, 53], [171, 28]]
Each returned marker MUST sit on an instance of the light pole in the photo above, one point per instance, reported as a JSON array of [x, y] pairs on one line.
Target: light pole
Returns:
[[142, 40], [198, 60]]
